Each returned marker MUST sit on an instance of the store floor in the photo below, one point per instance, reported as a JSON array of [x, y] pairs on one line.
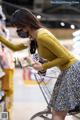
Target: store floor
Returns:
[[28, 99]]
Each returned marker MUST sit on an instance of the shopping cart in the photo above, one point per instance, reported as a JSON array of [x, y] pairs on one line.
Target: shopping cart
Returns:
[[46, 81], [46, 85]]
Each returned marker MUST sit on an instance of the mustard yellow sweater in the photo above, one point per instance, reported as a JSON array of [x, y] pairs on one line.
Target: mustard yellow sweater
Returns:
[[49, 48]]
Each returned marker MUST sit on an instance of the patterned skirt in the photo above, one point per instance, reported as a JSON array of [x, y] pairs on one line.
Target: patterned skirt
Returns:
[[66, 93]]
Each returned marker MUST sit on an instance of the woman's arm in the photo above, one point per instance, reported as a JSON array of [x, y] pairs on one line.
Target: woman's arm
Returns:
[[12, 46]]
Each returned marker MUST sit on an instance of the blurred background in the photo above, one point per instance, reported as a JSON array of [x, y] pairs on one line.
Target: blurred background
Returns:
[[62, 17], [60, 14], [51, 12]]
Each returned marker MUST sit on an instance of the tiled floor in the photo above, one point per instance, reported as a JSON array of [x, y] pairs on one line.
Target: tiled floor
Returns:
[[28, 99]]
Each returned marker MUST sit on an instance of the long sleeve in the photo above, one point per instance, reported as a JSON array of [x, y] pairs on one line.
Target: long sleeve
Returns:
[[51, 44], [11, 45]]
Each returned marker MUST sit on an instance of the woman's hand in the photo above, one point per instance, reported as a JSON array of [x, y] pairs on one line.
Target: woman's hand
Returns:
[[35, 64], [38, 66]]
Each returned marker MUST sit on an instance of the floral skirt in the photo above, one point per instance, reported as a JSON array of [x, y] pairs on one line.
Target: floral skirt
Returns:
[[66, 93]]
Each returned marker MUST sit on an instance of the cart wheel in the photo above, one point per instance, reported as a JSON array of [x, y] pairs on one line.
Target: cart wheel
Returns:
[[43, 115]]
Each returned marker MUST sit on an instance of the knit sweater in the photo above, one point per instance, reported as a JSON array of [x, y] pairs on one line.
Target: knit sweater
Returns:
[[14, 47], [49, 48]]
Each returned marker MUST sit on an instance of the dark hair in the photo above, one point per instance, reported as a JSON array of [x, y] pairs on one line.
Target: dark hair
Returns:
[[1, 17], [24, 17], [33, 46]]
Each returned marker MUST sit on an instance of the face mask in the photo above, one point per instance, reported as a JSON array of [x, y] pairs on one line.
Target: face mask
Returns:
[[22, 34]]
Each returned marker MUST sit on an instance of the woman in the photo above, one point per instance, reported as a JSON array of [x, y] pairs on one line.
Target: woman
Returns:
[[66, 93]]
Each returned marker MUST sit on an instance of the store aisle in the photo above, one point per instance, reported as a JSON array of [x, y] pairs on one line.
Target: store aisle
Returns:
[[28, 99]]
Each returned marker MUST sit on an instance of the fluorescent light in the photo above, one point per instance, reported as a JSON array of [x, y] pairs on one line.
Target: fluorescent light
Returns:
[[39, 16], [62, 24], [72, 26]]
